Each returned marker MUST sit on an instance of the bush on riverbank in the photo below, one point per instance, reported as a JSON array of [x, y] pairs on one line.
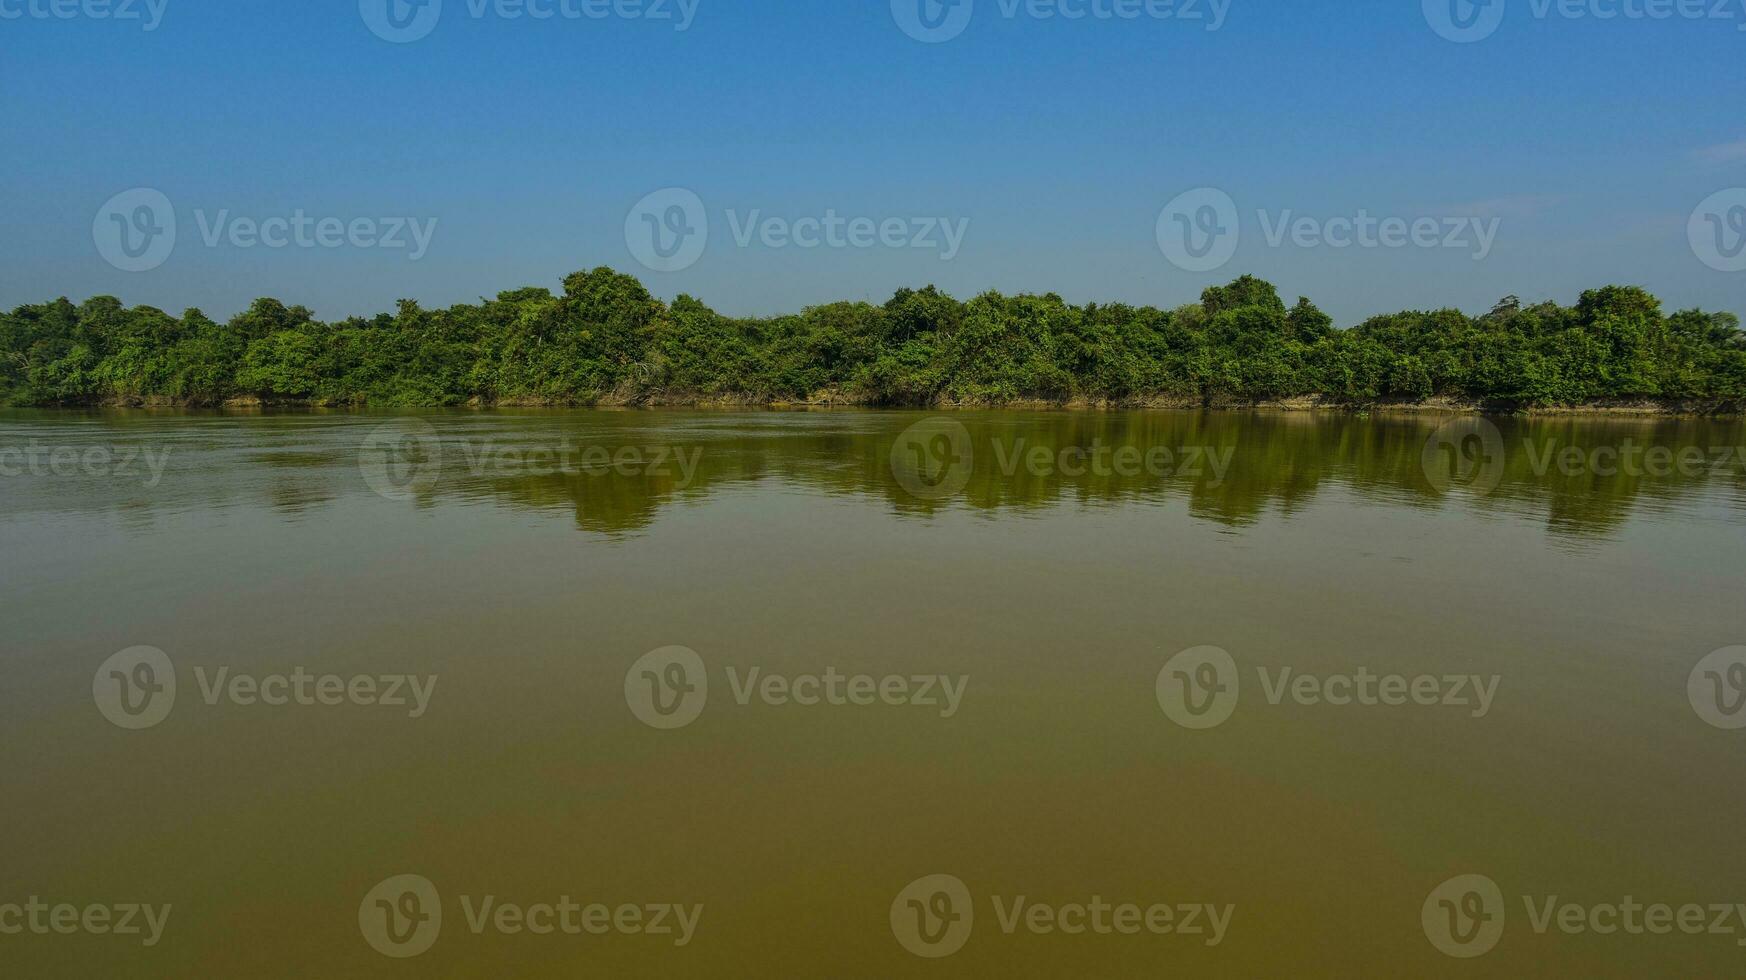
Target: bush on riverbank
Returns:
[[605, 339]]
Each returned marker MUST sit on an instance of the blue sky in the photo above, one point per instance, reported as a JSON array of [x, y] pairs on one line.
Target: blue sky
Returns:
[[1053, 143]]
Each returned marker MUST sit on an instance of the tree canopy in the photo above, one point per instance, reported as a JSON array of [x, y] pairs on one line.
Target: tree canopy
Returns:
[[606, 339]]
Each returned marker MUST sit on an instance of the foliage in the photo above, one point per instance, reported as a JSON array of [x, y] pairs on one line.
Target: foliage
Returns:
[[605, 338]]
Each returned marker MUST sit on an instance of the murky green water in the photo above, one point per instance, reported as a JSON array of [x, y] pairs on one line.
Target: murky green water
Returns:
[[969, 641]]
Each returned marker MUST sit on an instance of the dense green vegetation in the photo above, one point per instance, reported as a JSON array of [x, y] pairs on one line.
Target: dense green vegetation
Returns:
[[606, 339]]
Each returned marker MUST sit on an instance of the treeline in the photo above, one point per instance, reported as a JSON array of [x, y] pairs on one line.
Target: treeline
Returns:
[[605, 339]]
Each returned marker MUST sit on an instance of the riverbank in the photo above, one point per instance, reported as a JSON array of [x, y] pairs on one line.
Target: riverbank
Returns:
[[607, 342], [1676, 408]]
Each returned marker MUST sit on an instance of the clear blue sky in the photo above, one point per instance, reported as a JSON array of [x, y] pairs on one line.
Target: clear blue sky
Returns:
[[529, 141]]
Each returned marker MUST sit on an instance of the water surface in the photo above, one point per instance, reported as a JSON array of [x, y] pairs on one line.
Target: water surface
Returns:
[[1051, 576]]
